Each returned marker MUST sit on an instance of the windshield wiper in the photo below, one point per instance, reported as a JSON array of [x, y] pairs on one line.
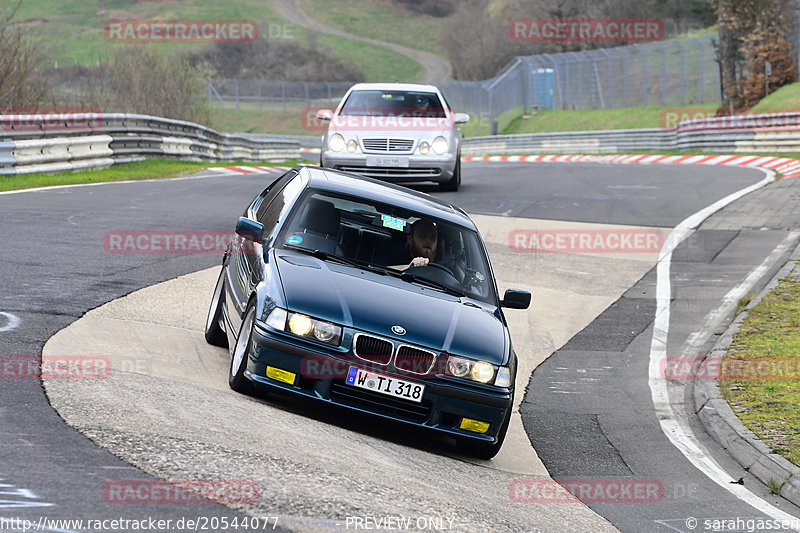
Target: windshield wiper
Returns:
[[321, 254], [431, 283]]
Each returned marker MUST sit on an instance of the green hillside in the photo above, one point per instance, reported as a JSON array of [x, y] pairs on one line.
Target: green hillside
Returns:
[[71, 31]]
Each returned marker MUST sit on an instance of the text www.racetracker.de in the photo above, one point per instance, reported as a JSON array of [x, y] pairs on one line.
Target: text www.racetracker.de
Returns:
[[200, 523]]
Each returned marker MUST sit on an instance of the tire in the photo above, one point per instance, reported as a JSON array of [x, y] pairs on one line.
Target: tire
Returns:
[[239, 354], [483, 450], [214, 333], [455, 182]]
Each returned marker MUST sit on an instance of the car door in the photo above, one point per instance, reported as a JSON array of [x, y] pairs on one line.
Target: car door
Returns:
[[244, 254], [247, 267]]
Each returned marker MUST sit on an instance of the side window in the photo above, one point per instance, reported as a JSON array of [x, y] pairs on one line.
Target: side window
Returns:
[[261, 203], [270, 213]]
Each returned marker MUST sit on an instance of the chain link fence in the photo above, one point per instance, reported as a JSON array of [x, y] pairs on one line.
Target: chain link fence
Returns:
[[666, 73]]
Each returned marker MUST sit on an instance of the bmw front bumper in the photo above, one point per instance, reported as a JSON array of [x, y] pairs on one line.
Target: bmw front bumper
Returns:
[[445, 401]]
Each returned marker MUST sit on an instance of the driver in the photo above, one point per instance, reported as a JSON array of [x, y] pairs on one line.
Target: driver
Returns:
[[422, 240]]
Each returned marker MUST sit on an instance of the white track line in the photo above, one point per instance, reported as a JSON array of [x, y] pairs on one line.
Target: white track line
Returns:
[[681, 436]]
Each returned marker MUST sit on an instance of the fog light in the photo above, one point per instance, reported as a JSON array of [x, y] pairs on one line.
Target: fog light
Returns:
[[352, 145], [424, 148], [281, 375], [300, 324], [476, 426]]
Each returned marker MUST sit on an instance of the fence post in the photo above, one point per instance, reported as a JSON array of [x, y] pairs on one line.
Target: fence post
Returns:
[[638, 48], [236, 84], [663, 72], [683, 71], [701, 48], [260, 96], [610, 78]]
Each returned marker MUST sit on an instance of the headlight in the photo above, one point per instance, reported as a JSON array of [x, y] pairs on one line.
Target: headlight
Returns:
[[424, 148], [352, 145], [300, 325], [311, 328], [479, 371], [336, 142], [440, 145], [482, 372]]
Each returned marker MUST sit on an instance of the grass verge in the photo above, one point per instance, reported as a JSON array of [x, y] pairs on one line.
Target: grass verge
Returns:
[[765, 392], [139, 170]]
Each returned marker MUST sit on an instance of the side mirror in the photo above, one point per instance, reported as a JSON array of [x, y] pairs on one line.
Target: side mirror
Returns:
[[462, 118], [516, 299], [249, 229], [324, 114]]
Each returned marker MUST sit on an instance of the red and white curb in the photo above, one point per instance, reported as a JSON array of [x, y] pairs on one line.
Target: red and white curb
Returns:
[[248, 170], [786, 166]]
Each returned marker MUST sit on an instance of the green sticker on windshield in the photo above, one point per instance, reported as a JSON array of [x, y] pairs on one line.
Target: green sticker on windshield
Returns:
[[393, 223]]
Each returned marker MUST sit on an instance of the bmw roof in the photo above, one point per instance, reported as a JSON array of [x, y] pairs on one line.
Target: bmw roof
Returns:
[[352, 184]]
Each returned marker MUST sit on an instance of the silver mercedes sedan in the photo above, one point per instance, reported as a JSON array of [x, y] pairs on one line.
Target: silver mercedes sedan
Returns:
[[399, 132]]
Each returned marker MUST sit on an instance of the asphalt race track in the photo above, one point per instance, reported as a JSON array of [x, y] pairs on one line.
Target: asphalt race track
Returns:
[[588, 409]]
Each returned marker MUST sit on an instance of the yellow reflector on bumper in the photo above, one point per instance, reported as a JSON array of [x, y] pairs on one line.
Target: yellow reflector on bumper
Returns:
[[280, 375], [474, 425]]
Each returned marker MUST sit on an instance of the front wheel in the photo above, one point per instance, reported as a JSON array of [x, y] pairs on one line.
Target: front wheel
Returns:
[[453, 183], [214, 333], [241, 352], [484, 450]]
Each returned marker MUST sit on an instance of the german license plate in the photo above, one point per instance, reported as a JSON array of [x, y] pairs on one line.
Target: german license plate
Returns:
[[397, 388], [387, 161]]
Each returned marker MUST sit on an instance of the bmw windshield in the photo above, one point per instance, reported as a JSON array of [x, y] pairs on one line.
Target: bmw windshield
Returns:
[[424, 249]]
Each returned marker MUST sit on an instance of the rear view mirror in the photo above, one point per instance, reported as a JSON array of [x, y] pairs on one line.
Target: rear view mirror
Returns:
[[249, 229], [462, 118], [324, 114], [516, 299]]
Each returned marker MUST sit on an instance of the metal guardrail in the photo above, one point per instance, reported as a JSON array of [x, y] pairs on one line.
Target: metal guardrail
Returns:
[[35, 143], [54, 143], [768, 133]]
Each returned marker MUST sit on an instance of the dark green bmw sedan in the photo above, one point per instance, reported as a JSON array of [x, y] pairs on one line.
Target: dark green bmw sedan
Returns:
[[372, 297]]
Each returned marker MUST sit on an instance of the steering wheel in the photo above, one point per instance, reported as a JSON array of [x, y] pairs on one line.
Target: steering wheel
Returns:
[[444, 268]]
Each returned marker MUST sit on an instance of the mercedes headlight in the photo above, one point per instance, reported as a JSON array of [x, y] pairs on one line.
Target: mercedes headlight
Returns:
[[440, 145], [336, 142]]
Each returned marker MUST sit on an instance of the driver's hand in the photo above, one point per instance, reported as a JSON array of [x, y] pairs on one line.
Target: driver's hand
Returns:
[[419, 262]]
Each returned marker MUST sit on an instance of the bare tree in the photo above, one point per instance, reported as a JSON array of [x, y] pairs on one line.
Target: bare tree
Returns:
[[20, 83]]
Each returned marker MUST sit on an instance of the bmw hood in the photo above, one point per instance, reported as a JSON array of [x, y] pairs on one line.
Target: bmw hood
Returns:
[[371, 302]]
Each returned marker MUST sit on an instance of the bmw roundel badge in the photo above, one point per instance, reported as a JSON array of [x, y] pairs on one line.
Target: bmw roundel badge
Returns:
[[398, 330]]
